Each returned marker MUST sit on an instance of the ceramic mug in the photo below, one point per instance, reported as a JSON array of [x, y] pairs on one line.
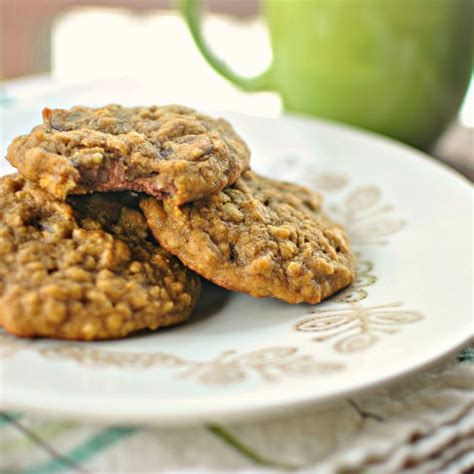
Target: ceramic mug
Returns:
[[398, 67]]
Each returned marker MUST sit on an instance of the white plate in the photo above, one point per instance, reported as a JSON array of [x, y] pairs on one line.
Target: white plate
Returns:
[[410, 223]]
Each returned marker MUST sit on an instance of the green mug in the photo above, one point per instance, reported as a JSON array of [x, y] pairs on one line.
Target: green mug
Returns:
[[398, 67]]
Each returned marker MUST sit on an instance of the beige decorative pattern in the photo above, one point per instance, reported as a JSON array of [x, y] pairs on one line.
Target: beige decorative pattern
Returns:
[[356, 328], [366, 219], [90, 356], [357, 291], [330, 182], [269, 364], [230, 367]]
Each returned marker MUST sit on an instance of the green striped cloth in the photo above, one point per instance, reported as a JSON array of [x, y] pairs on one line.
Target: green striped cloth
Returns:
[[424, 423]]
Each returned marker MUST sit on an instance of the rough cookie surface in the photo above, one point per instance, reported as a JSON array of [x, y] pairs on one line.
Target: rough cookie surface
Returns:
[[258, 236], [84, 270], [162, 151]]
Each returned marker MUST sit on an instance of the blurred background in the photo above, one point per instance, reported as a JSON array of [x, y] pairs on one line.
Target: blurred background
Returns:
[[95, 50], [143, 41]]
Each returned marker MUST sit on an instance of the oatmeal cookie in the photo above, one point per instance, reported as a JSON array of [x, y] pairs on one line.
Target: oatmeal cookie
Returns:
[[86, 269], [259, 236], [162, 151]]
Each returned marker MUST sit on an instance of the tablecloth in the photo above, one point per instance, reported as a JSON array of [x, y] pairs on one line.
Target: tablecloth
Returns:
[[424, 423]]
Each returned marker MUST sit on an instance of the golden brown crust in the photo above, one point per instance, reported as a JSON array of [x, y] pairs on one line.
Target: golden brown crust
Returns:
[[258, 236], [85, 269], [163, 151]]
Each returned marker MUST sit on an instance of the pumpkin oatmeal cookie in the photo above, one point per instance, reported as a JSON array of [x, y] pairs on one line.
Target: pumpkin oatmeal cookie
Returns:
[[162, 151], [86, 269], [259, 236]]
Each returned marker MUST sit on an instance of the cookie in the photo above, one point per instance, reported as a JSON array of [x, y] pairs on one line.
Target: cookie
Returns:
[[86, 269], [162, 151], [258, 236]]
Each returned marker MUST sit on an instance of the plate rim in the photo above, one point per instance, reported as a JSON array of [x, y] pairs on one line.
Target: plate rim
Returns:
[[260, 411]]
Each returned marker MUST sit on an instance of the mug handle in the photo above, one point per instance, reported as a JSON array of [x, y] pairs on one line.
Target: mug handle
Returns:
[[261, 82]]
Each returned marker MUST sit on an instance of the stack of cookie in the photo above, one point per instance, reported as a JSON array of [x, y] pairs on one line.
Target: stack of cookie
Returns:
[[114, 209]]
